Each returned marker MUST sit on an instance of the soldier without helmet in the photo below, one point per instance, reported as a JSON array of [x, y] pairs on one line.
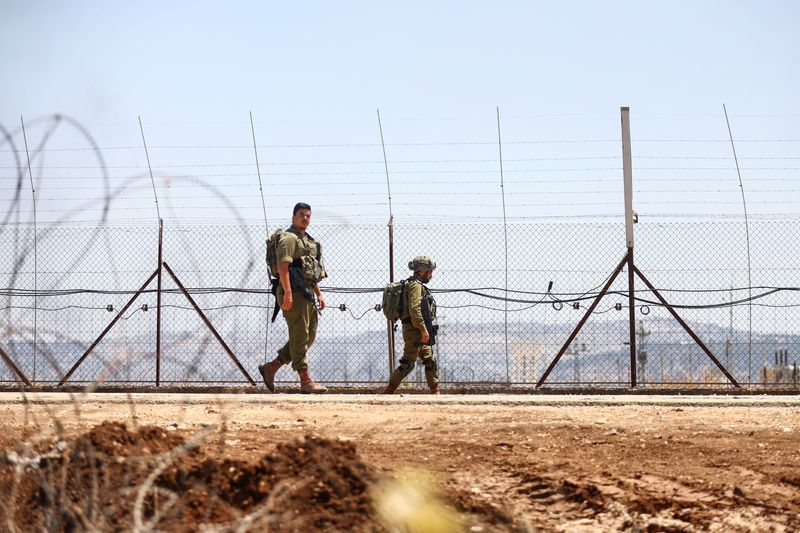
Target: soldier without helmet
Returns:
[[299, 251]]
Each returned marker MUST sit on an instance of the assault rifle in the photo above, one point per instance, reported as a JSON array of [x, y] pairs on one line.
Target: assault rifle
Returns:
[[296, 282], [432, 328]]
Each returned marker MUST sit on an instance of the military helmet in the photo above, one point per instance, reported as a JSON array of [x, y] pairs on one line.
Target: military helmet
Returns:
[[422, 262]]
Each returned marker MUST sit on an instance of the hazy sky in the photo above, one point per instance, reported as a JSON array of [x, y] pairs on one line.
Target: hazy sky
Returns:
[[107, 61], [315, 72]]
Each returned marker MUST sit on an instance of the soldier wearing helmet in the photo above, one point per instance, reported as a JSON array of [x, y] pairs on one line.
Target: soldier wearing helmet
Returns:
[[417, 318]]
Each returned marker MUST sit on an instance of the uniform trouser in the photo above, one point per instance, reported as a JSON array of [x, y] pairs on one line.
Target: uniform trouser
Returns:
[[412, 352], [301, 320]]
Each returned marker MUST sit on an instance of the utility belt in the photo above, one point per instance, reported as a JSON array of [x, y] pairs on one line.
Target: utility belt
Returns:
[[406, 322]]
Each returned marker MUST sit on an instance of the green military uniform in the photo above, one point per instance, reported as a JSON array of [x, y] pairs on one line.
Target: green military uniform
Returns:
[[413, 326], [305, 254]]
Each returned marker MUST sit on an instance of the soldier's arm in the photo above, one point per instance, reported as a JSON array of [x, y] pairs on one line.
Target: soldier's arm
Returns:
[[323, 274], [415, 306], [320, 298], [283, 275], [285, 256]]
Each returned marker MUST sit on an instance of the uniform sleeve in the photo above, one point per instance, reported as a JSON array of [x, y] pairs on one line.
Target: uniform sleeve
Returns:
[[316, 250], [415, 305], [286, 248]]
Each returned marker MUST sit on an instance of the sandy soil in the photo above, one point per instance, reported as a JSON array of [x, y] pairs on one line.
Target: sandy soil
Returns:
[[485, 463]]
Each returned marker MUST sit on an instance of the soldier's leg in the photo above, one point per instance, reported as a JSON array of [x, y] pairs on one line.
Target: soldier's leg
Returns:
[[284, 352], [431, 368], [298, 320], [411, 336], [403, 369], [299, 350], [313, 320]]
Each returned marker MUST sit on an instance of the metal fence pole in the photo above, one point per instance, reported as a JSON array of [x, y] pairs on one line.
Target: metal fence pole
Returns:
[[35, 252], [389, 324], [505, 244], [158, 303], [749, 270], [266, 224], [627, 174]]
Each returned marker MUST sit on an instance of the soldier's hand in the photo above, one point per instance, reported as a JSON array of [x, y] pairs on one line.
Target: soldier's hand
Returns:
[[287, 301], [321, 299], [425, 336]]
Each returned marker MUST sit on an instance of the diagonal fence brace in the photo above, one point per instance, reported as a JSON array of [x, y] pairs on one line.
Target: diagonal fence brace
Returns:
[[583, 320], [108, 328], [208, 323], [691, 333], [12, 366]]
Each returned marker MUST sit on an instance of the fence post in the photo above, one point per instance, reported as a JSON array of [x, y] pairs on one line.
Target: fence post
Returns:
[[389, 323], [505, 246], [627, 174], [35, 252], [158, 304]]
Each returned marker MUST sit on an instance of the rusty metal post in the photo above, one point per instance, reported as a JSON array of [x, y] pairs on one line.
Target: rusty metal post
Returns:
[[685, 326], [12, 366], [158, 304], [108, 328], [583, 320]]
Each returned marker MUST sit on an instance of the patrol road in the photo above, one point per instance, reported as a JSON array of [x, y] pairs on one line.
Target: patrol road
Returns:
[[249, 398], [579, 463]]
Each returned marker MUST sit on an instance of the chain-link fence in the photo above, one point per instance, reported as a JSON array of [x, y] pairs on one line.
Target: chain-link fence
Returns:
[[504, 311]]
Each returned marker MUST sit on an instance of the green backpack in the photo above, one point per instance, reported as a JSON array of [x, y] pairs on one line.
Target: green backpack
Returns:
[[272, 251], [395, 300]]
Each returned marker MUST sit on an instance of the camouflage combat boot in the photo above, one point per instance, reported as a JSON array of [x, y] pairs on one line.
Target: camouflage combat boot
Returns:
[[268, 370], [308, 385]]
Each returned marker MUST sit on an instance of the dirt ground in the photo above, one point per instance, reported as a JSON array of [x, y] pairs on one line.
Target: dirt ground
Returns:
[[285, 462]]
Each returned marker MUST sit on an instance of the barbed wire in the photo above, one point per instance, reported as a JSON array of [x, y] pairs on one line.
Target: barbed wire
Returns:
[[591, 192], [434, 204], [377, 145], [400, 162], [671, 179], [427, 171], [417, 218]]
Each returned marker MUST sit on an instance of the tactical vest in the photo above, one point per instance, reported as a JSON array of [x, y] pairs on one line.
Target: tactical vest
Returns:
[[310, 264], [426, 295]]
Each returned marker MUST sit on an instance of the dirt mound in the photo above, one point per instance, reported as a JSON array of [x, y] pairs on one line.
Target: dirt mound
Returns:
[[464, 467], [310, 482], [115, 479]]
